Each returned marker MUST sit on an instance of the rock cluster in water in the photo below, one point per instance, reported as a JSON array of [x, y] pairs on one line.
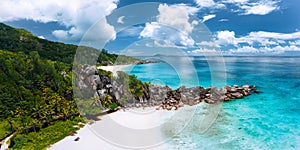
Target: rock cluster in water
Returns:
[[194, 95], [156, 95]]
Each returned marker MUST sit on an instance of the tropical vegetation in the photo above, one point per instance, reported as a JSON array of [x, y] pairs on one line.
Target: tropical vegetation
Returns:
[[36, 95]]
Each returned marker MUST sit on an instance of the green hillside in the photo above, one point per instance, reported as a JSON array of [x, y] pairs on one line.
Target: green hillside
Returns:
[[19, 40]]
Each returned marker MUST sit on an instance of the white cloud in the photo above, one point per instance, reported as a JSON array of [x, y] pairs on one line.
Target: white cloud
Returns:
[[174, 16], [41, 37], [205, 3], [268, 38], [264, 50], [245, 49], [150, 29], [262, 37], [205, 18], [260, 42], [163, 36], [205, 52], [133, 31], [236, 1], [208, 44], [93, 35], [295, 43], [209, 4], [60, 34], [74, 14], [275, 35], [132, 52], [244, 7], [120, 19], [186, 8], [198, 51], [226, 37], [223, 20], [260, 7], [166, 43], [172, 26]]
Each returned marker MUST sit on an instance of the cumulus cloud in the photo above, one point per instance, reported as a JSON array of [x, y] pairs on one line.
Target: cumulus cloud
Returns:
[[76, 15], [260, 42], [205, 3], [205, 18], [209, 4], [175, 16], [244, 49], [264, 50], [150, 30], [60, 34], [275, 35], [172, 26], [100, 32], [226, 37]]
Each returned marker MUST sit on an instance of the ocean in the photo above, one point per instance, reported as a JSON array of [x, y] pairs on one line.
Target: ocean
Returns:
[[268, 120]]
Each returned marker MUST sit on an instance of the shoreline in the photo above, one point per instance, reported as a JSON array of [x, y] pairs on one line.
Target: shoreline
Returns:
[[113, 130], [133, 118]]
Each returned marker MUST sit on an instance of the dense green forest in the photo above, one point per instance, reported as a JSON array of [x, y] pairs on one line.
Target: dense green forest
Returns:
[[20, 40], [36, 95]]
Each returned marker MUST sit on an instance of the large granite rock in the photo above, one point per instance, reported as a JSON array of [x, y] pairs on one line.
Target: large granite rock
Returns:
[[164, 97]]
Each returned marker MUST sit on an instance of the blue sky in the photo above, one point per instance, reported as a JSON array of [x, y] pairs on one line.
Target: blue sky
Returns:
[[235, 26]]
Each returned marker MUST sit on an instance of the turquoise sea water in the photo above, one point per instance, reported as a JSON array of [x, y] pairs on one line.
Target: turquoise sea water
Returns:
[[269, 120]]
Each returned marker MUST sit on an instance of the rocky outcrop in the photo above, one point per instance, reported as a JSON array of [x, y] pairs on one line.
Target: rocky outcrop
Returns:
[[194, 95], [145, 62], [91, 84], [156, 95]]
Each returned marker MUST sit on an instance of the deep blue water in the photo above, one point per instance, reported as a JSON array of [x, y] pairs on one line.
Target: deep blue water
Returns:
[[269, 120]]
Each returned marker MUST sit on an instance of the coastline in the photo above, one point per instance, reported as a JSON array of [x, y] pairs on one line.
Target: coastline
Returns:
[[158, 128], [121, 128]]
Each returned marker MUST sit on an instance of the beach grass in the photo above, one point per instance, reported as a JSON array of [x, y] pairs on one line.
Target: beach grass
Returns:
[[4, 129], [46, 136]]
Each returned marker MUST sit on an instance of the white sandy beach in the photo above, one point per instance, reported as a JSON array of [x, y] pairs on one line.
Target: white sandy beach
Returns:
[[138, 128], [130, 128], [114, 68]]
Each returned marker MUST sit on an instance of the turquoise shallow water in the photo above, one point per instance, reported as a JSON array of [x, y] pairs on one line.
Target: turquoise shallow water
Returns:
[[269, 120]]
